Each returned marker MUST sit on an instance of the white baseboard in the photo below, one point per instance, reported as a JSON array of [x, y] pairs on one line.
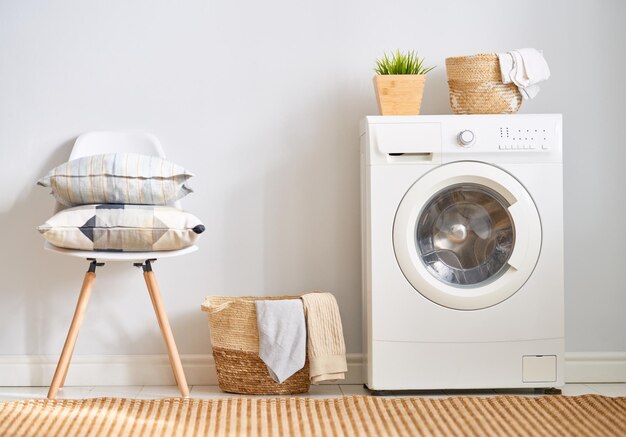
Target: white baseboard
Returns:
[[595, 367], [87, 370]]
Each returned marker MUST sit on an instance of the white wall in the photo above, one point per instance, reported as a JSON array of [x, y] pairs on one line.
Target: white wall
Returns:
[[262, 101]]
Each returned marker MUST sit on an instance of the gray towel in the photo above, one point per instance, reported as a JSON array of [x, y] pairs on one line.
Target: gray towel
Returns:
[[282, 336]]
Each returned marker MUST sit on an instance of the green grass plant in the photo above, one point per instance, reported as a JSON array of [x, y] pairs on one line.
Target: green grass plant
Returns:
[[401, 63]]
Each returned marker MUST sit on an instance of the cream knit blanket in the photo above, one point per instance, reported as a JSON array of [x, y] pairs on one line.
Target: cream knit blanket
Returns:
[[325, 344]]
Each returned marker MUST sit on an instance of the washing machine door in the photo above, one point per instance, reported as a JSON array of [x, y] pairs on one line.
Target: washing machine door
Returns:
[[467, 235]]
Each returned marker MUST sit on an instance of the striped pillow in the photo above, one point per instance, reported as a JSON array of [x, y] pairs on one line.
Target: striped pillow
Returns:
[[117, 178], [122, 228]]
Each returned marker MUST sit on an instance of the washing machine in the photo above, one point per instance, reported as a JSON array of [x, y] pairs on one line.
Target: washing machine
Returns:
[[462, 230]]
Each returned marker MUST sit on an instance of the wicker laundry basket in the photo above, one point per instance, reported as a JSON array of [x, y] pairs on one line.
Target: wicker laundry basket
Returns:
[[235, 342], [476, 86]]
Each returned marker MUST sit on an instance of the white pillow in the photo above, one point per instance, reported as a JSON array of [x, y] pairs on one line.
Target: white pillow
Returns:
[[125, 228], [128, 178]]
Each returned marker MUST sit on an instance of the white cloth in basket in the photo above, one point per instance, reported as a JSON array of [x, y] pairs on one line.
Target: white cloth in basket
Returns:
[[326, 346], [525, 68], [282, 336]]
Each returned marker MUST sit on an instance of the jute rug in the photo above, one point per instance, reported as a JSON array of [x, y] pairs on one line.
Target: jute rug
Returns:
[[348, 416]]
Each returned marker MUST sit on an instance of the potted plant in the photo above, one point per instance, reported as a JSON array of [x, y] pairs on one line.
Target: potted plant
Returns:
[[399, 83]]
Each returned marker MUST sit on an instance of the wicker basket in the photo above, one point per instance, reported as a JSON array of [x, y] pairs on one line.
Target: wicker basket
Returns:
[[476, 86], [235, 342]]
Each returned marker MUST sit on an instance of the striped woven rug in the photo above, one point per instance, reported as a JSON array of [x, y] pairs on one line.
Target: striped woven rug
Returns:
[[348, 416]]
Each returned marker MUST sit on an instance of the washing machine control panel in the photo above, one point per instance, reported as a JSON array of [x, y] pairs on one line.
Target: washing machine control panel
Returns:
[[511, 138], [492, 138], [432, 139]]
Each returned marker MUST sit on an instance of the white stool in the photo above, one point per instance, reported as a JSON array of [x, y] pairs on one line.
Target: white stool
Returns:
[[95, 143]]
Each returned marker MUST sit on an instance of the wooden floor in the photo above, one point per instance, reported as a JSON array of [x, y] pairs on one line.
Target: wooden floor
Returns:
[[320, 391]]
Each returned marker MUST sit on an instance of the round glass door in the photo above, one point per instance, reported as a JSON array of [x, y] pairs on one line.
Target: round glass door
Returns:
[[465, 235]]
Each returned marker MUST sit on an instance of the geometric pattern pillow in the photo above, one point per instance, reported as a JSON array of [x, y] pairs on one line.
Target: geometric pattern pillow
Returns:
[[122, 228], [117, 178]]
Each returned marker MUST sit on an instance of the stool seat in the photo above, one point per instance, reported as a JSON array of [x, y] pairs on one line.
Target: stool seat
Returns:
[[119, 256]]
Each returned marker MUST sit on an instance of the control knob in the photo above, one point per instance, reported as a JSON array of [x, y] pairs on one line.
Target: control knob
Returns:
[[466, 138]]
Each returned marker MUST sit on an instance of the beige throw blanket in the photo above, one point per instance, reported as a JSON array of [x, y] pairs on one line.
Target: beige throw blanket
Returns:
[[325, 344]]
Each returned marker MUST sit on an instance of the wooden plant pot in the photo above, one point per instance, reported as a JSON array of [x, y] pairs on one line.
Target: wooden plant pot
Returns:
[[399, 94]]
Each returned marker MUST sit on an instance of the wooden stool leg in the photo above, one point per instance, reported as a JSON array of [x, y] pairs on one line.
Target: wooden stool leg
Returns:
[[160, 325], [166, 330], [72, 335], [66, 369]]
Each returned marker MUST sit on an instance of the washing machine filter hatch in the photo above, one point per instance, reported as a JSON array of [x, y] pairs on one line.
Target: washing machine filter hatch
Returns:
[[465, 235]]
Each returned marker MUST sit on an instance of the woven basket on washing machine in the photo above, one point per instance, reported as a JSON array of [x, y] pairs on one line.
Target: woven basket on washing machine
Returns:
[[235, 342], [476, 86]]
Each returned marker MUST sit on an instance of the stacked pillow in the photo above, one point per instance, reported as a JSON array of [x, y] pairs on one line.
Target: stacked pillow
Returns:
[[119, 202]]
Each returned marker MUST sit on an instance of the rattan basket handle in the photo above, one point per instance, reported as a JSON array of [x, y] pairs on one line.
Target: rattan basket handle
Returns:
[[216, 308]]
